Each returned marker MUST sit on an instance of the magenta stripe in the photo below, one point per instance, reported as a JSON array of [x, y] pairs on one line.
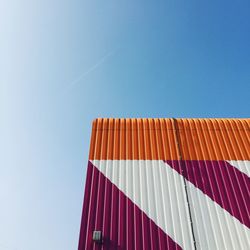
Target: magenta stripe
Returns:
[[123, 224], [222, 182], [85, 210], [137, 228], [122, 221], [106, 210]]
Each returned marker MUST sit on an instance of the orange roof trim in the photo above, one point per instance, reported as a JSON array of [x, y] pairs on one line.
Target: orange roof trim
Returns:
[[170, 139]]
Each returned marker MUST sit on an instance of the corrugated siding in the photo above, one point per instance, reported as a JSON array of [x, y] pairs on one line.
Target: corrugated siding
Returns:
[[168, 184], [121, 139], [200, 139]]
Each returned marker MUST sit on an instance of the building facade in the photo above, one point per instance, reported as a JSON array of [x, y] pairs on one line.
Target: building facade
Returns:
[[167, 184]]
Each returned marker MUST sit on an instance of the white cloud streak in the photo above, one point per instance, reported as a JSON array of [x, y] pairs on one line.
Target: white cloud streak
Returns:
[[77, 80]]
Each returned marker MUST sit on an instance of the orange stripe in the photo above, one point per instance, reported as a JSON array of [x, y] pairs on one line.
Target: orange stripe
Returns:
[[148, 139]]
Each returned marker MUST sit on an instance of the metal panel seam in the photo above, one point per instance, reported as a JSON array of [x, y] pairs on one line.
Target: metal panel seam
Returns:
[[177, 141]]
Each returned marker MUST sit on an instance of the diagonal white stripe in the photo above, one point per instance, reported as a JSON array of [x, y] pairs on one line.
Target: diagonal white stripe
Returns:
[[243, 166], [157, 190], [214, 227]]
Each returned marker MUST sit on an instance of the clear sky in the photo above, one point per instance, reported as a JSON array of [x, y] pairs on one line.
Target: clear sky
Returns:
[[64, 63]]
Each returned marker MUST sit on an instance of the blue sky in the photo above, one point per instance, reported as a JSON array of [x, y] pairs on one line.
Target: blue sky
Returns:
[[64, 63]]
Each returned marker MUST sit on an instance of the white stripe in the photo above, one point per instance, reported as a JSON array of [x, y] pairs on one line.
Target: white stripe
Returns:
[[214, 227], [243, 166], [157, 190]]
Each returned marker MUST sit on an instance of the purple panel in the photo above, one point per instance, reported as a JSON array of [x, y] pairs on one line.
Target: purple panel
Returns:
[[85, 210], [123, 224], [222, 182]]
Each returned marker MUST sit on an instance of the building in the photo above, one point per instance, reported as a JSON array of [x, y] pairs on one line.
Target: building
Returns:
[[167, 184]]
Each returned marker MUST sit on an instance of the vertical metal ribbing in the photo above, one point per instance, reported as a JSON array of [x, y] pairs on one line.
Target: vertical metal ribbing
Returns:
[[177, 140]]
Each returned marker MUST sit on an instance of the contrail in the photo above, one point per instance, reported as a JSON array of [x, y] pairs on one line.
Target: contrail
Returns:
[[91, 69]]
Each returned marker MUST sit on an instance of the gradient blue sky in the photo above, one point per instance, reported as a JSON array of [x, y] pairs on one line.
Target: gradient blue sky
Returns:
[[64, 63]]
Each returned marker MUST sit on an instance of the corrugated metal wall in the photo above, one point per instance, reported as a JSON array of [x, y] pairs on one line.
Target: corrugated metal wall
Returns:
[[168, 184]]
